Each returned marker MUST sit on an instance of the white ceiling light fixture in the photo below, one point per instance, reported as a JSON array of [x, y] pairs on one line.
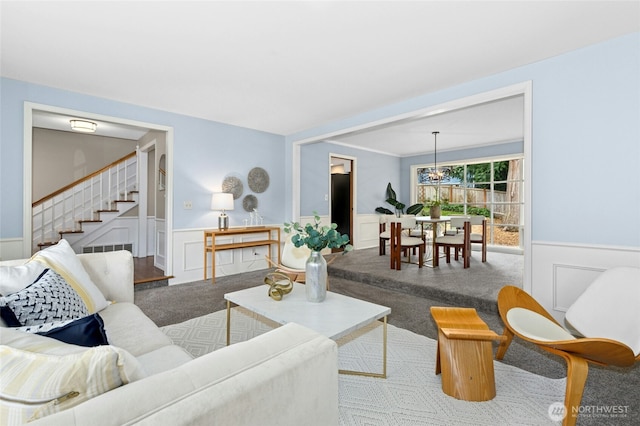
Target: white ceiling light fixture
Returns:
[[83, 126]]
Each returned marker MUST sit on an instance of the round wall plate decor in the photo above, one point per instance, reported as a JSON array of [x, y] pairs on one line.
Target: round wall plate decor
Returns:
[[258, 179], [249, 203], [232, 185]]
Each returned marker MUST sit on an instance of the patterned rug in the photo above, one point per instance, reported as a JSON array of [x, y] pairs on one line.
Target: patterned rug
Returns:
[[411, 394]]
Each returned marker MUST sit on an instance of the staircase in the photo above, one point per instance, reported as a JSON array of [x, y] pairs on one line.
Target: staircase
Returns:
[[84, 206]]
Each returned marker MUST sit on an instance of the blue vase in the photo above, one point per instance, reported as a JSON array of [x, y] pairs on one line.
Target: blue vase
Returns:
[[316, 277]]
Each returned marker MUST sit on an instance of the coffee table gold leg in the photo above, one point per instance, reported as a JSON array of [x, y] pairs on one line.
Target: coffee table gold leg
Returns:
[[382, 375], [228, 323]]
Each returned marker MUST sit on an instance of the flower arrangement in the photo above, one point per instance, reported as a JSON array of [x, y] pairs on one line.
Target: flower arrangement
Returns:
[[317, 237]]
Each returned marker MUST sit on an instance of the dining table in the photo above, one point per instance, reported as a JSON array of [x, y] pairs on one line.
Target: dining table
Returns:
[[434, 222]]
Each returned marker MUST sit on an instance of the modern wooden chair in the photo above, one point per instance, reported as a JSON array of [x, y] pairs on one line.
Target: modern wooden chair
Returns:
[[458, 241], [401, 242], [478, 233], [479, 237], [293, 261], [607, 313], [385, 234]]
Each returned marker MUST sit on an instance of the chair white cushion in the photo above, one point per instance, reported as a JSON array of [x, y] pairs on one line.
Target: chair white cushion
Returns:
[[610, 308], [294, 257], [450, 239], [475, 238], [534, 326], [411, 241]]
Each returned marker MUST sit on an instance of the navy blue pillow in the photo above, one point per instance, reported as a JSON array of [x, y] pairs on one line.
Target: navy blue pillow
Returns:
[[87, 331]]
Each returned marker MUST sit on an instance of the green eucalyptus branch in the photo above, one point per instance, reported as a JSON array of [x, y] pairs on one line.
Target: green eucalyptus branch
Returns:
[[317, 237]]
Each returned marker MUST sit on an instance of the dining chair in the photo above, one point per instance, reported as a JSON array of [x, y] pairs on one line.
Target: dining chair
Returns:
[[459, 241], [479, 237], [475, 237], [402, 242], [605, 317], [385, 234]]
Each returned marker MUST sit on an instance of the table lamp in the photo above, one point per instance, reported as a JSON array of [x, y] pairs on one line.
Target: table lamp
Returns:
[[222, 201]]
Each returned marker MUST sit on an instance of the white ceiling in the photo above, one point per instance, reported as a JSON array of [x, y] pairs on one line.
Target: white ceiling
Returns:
[[284, 67]]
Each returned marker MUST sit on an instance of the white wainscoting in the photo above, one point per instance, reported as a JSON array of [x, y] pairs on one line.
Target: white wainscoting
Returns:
[[561, 272], [11, 248], [188, 256], [160, 244], [188, 248], [367, 227]]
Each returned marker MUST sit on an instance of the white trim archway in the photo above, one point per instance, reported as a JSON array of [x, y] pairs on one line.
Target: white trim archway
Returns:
[[29, 108], [524, 89]]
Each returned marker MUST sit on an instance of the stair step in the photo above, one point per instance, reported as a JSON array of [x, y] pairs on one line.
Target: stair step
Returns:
[[124, 201], [71, 231], [90, 221], [47, 244], [107, 211]]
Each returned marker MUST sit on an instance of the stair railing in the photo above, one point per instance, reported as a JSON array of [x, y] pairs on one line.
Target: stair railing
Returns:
[[83, 200]]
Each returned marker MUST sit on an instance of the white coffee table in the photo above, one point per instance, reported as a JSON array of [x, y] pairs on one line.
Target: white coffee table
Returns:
[[336, 317]]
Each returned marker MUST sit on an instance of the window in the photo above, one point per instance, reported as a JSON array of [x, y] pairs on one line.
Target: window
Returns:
[[493, 188]]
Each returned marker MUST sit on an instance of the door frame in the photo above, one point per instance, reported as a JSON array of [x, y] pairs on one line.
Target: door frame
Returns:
[[352, 192], [29, 108]]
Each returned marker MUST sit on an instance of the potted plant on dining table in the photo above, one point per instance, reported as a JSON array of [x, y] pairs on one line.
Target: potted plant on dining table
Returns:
[[317, 237]]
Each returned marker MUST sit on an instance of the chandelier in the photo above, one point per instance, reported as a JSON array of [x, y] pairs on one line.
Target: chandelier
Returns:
[[434, 174]]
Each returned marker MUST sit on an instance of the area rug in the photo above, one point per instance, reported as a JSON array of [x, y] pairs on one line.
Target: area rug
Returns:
[[411, 394]]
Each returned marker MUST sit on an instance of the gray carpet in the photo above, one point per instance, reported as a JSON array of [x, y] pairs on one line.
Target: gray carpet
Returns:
[[410, 293]]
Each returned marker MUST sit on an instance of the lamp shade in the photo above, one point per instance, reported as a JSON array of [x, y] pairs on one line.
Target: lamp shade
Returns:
[[221, 201]]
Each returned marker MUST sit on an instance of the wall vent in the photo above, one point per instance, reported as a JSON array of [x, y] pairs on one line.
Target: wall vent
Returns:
[[108, 247]]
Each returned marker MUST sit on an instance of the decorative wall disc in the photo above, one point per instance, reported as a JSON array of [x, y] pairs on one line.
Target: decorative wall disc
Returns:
[[249, 203], [258, 179], [232, 185]]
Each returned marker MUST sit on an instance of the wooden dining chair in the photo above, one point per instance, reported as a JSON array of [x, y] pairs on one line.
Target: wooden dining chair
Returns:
[[401, 242], [459, 241], [479, 237]]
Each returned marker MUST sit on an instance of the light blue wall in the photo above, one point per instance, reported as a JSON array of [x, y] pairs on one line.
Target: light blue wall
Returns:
[[586, 120], [204, 153], [373, 172]]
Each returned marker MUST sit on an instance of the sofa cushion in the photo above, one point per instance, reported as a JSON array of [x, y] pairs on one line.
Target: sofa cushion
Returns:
[[129, 328], [164, 358], [62, 259], [87, 331], [36, 343], [35, 385], [15, 278], [49, 299]]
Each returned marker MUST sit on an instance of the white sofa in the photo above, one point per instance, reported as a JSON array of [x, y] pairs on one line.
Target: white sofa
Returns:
[[288, 376]]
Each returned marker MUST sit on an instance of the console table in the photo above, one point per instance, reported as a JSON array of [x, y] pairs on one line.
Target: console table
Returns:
[[211, 246]]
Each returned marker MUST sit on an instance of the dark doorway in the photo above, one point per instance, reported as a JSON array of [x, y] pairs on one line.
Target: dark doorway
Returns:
[[342, 195]]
